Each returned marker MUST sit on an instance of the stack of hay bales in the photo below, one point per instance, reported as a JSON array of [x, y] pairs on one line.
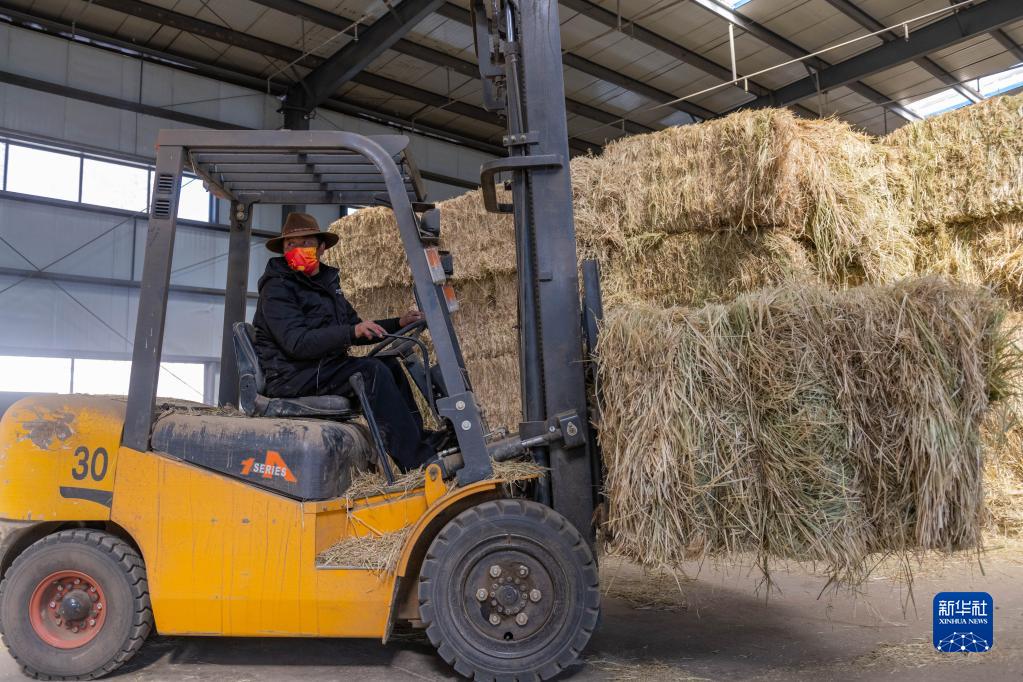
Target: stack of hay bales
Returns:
[[960, 175], [749, 200], [376, 278], [701, 214], [684, 216]]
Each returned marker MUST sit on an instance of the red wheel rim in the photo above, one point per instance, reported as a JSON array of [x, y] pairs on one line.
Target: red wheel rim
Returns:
[[67, 609]]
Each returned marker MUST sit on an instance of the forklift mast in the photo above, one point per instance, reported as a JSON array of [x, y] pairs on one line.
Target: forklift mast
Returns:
[[518, 45]]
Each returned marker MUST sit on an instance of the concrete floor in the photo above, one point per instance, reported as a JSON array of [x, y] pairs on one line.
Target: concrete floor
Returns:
[[715, 628]]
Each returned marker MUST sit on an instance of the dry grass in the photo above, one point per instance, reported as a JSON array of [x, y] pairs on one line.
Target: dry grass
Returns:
[[962, 166], [987, 251], [381, 552], [701, 214], [800, 424], [753, 171], [627, 669]]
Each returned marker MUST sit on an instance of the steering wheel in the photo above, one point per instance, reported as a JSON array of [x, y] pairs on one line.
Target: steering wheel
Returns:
[[402, 341]]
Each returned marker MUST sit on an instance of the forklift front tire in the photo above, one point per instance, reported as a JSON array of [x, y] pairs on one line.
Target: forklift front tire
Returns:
[[75, 606], [509, 591]]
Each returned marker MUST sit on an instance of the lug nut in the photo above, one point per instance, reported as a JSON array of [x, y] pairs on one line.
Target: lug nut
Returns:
[[495, 571], [522, 619], [92, 589], [74, 629], [77, 580], [99, 607], [92, 622], [523, 571], [53, 604], [60, 588], [481, 594], [495, 619], [534, 595], [500, 609], [493, 602]]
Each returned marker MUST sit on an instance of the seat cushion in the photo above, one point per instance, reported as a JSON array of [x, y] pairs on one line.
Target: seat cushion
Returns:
[[310, 406]]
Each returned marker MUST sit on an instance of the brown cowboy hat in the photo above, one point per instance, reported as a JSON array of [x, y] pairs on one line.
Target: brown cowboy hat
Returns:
[[300, 225]]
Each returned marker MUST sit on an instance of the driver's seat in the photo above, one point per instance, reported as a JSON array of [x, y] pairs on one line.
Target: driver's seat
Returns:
[[251, 385]]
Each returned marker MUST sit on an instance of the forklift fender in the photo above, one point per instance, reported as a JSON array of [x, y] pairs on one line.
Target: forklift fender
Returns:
[[15, 536], [405, 605]]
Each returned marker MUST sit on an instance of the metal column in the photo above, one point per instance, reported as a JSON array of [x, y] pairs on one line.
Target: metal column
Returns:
[[156, 271], [237, 294], [549, 208]]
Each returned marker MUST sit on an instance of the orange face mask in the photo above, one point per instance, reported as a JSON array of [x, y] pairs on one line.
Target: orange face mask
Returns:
[[302, 259]]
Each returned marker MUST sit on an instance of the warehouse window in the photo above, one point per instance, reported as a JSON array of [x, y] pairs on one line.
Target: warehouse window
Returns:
[[996, 84], [3, 164], [183, 380], [43, 173], [23, 374], [938, 103], [195, 203], [949, 99], [736, 4], [35, 375], [116, 185]]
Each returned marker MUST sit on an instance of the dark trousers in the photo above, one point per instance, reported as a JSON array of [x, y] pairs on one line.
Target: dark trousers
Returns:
[[390, 398]]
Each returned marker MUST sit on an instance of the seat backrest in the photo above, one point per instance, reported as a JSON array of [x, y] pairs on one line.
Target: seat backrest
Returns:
[[250, 377]]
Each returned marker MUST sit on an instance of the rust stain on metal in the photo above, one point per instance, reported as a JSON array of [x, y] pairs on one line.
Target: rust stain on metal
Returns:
[[47, 427]]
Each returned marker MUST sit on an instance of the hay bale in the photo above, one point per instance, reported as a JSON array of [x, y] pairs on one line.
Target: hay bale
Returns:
[[693, 269], [799, 423], [752, 171], [962, 166], [482, 243], [987, 252]]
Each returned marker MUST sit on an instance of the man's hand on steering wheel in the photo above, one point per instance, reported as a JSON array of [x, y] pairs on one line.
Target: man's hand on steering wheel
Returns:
[[409, 317], [369, 330]]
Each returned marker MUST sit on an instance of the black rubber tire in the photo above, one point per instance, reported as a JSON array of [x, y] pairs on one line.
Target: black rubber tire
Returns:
[[516, 533], [116, 566]]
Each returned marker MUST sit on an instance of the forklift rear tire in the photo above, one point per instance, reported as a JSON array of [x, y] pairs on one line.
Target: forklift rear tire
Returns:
[[75, 606], [509, 591]]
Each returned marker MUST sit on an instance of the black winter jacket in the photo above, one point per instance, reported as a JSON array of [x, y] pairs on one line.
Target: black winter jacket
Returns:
[[302, 322]]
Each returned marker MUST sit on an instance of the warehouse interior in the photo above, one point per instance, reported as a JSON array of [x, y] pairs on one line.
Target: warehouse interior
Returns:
[[86, 86]]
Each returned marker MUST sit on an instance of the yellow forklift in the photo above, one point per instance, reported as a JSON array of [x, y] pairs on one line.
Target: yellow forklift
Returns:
[[121, 516]]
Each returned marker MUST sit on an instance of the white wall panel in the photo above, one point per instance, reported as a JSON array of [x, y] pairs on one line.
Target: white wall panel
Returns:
[[36, 313], [46, 233]]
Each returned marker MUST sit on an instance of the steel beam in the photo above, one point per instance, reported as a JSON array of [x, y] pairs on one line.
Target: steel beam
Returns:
[[114, 102], [967, 23], [353, 58], [1006, 41], [97, 38], [206, 29], [187, 23], [769, 37], [171, 115], [471, 70], [868, 22], [591, 68], [650, 92], [92, 280]]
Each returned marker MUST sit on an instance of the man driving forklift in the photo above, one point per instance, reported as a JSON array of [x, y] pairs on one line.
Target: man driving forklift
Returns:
[[304, 327]]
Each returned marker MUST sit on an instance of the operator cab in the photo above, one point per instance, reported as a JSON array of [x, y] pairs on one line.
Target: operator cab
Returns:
[[303, 447]]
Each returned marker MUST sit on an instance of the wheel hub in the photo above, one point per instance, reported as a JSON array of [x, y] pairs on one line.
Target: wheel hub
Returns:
[[66, 609], [514, 594]]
